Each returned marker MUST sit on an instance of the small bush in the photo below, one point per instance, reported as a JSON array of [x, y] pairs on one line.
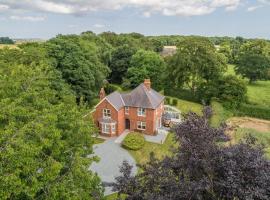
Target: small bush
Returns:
[[133, 141], [168, 100], [174, 102], [109, 88]]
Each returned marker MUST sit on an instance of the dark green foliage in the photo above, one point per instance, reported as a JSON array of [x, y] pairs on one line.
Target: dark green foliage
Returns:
[[195, 62], [254, 60], [133, 141], [201, 167], [256, 111], [120, 63], [146, 64], [79, 60], [6, 40], [44, 142], [168, 100], [109, 88], [174, 102], [228, 89]]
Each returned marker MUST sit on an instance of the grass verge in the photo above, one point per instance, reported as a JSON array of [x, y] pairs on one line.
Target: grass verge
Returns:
[[160, 150]]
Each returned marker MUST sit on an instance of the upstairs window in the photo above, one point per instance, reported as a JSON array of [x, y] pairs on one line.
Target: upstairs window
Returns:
[[106, 113], [126, 110], [141, 112]]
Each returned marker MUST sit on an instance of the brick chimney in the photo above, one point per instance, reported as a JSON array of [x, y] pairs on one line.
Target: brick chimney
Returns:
[[147, 84], [102, 94]]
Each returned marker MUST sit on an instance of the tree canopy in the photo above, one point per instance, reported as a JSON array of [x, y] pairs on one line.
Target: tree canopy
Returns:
[[254, 60], [45, 144], [201, 167], [146, 64], [6, 40], [80, 63], [195, 62]]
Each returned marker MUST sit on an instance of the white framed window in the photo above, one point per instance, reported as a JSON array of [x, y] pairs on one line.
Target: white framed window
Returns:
[[141, 111], [126, 110], [107, 113], [106, 128], [141, 125], [113, 128]]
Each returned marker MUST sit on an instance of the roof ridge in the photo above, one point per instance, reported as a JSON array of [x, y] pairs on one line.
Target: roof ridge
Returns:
[[146, 92]]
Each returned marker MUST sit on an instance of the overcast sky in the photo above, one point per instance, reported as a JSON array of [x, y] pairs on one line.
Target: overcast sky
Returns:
[[47, 18]]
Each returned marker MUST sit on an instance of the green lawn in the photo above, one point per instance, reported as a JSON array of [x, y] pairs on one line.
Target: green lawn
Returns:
[[259, 93], [262, 137], [220, 114], [160, 150], [113, 197], [187, 106]]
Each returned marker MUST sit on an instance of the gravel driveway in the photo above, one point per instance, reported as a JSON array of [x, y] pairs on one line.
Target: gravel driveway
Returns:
[[111, 156]]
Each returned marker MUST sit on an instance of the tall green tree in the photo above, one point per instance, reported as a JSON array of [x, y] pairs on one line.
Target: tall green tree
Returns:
[[78, 61], [195, 62], [44, 142], [254, 60], [120, 63], [146, 64]]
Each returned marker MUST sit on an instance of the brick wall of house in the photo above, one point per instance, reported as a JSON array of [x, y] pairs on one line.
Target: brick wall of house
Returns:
[[121, 121], [99, 114], [134, 118], [120, 116]]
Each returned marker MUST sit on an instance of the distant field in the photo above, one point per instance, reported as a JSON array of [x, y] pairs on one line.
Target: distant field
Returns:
[[259, 93], [12, 46]]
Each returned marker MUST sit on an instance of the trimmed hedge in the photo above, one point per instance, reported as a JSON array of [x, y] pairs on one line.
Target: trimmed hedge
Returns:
[[253, 111], [133, 141], [174, 102]]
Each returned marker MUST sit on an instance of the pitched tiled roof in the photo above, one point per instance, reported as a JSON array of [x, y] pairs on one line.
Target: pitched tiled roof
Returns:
[[116, 100], [139, 97]]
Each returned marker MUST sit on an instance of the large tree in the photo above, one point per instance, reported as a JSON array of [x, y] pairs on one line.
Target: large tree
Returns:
[[195, 62], [146, 64], [79, 61], [201, 167], [254, 60], [120, 63], [44, 142]]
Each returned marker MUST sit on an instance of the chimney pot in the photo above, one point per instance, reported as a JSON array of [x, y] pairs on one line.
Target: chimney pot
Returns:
[[102, 94], [147, 83]]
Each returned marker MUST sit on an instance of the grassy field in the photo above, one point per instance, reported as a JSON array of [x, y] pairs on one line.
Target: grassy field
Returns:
[[262, 137], [160, 150], [187, 106], [220, 114], [11, 46], [259, 93]]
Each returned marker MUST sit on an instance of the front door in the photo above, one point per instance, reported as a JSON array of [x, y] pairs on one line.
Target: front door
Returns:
[[127, 124]]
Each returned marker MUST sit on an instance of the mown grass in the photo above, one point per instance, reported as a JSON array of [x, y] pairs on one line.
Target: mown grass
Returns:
[[187, 106], [160, 150], [220, 114], [113, 197], [262, 137], [259, 93]]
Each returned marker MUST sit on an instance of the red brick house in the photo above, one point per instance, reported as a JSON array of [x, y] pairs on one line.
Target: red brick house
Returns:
[[139, 110]]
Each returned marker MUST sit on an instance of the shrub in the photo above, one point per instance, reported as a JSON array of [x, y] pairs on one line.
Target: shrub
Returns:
[[174, 102], [228, 89], [253, 111], [168, 100], [109, 88], [133, 141]]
